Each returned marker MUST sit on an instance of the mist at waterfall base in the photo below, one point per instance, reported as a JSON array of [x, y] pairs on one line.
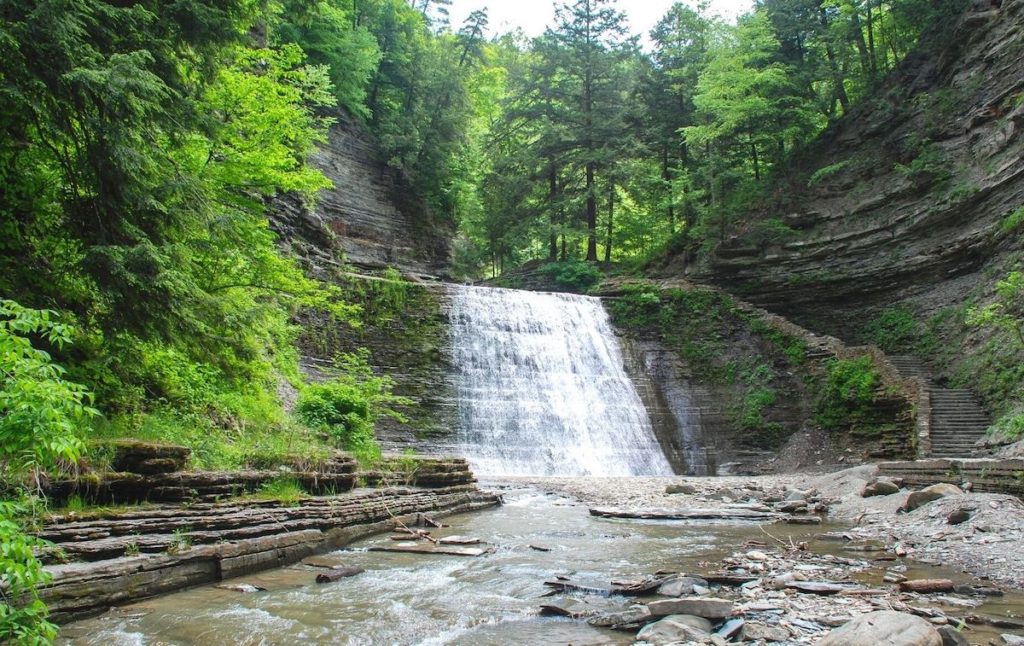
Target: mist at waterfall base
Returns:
[[542, 388]]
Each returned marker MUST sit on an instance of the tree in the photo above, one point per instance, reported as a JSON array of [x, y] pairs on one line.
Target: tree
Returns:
[[750, 113], [590, 44]]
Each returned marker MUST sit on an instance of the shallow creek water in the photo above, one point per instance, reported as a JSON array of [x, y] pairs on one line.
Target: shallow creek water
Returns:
[[433, 599]]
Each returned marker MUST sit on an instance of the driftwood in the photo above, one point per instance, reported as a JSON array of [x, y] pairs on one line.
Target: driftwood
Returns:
[[430, 549], [337, 574], [684, 514], [407, 533], [427, 521], [927, 585], [823, 588]]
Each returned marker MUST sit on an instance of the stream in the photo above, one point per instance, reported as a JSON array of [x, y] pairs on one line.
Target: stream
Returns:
[[433, 599]]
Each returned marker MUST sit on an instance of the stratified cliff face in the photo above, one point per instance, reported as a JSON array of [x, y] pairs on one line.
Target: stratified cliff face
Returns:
[[906, 200], [371, 218]]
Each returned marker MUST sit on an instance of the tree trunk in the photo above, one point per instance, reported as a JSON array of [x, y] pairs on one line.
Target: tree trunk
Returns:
[[830, 53], [611, 213], [862, 47], [666, 175], [591, 214], [754, 158], [552, 197]]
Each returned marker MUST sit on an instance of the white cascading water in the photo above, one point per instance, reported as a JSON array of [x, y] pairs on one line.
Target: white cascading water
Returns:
[[542, 389]]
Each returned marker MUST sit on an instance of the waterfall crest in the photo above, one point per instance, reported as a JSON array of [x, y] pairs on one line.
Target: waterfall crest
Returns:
[[542, 389]]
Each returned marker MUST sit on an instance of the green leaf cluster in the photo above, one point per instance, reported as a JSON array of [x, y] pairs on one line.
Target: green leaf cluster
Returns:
[[348, 407]]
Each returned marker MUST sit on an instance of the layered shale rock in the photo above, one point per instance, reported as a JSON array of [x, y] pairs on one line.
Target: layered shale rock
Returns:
[[371, 218]]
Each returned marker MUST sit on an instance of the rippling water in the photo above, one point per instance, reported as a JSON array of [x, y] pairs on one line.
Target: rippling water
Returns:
[[432, 599]]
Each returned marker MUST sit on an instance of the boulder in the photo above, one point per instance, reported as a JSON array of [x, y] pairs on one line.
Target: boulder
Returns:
[[672, 630], [753, 631], [796, 494], [928, 494], [952, 637], [707, 607], [630, 619], [677, 586], [958, 516], [880, 487], [884, 627], [791, 506], [683, 488]]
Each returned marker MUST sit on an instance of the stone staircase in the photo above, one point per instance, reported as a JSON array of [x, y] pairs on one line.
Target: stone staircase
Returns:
[[957, 419]]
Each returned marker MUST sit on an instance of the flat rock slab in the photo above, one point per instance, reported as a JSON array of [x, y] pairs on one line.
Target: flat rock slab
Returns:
[[684, 514], [430, 549], [707, 607], [326, 562], [459, 540], [566, 607]]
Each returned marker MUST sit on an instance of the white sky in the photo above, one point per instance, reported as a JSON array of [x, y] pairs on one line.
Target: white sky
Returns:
[[535, 15]]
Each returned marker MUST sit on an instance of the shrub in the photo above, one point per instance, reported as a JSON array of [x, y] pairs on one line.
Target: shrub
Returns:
[[825, 173], [40, 416], [348, 407], [1013, 221], [573, 275], [849, 394], [1010, 425], [895, 330]]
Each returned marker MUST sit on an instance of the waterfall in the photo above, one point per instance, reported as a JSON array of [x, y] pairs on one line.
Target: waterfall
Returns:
[[542, 389]]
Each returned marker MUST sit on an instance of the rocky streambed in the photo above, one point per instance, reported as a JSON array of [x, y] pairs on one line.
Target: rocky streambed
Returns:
[[545, 568]]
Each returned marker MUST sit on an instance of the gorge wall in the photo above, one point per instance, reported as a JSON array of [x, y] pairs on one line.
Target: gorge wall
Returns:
[[913, 201], [371, 218]]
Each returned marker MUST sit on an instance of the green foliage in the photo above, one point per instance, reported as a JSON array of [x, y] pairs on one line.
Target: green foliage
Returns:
[[22, 614], [848, 397], [827, 172], [574, 276], [285, 490], [41, 413], [1012, 222], [1007, 312], [349, 406], [897, 330], [181, 542], [929, 166], [1009, 426]]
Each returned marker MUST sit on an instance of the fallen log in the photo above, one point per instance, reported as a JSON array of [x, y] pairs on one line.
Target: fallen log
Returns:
[[927, 585], [339, 573]]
